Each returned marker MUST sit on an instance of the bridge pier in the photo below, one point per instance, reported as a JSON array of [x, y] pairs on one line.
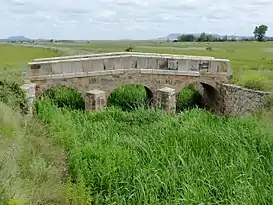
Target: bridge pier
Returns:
[[166, 99], [30, 94], [95, 100]]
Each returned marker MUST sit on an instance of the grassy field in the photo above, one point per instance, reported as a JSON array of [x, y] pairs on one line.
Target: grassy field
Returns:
[[14, 59], [67, 156]]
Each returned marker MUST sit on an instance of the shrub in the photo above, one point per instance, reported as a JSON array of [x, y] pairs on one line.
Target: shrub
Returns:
[[12, 95], [129, 49]]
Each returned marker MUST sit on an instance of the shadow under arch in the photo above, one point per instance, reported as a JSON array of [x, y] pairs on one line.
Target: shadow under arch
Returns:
[[63, 96], [198, 94], [211, 97], [131, 96]]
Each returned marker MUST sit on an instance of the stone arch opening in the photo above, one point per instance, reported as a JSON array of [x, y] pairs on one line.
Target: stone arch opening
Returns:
[[189, 97], [198, 94], [131, 96], [64, 96], [211, 97]]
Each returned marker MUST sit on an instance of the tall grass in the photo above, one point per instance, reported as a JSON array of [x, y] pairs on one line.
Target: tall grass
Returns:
[[128, 97], [149, 157], [12, 95], [31, 167], [65, 97]]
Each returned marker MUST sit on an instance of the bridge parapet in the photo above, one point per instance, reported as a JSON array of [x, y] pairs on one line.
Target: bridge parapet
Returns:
[[84, 65]]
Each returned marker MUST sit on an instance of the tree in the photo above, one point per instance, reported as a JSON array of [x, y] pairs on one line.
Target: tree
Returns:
[[259, 32], [186, 38]]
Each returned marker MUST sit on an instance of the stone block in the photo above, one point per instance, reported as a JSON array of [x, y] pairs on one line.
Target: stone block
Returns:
[[97, 65], [194, 65], [166, 99], [142, 62], [30, 93], [219, 66], [56, 68], [95, 100], [163, 63], [109, 63], [77, 66], [118, 63], [66, 67], [87, 66], [152, 63], [45, 69], [124, 62], [183, 64], [204, 66], [133, 62], [172, 64]]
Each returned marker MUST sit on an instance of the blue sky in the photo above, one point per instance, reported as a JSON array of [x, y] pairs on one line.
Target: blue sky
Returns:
[[135, 19]]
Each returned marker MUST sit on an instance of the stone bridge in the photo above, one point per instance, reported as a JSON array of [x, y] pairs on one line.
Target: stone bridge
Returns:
[[96, 76], [163, 76]]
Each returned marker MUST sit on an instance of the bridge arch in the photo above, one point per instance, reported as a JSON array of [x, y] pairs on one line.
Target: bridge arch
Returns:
[[209, 95], [131, 95], [63, 95]]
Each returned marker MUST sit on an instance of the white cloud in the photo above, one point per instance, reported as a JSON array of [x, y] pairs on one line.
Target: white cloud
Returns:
[[136, 19]]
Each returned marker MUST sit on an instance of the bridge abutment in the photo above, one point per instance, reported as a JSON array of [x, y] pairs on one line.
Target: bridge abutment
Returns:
[[95, 100], [166, 99]]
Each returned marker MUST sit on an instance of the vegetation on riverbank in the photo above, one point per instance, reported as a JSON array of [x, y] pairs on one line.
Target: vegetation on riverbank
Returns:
[[66, 156]]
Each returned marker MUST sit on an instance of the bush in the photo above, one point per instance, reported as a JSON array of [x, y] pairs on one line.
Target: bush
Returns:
[[189, 97], [12, 95]]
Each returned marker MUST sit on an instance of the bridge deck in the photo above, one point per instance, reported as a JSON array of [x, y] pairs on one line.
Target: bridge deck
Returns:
[[99, 64]]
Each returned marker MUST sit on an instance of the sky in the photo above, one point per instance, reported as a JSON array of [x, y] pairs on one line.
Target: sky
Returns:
[[131, 19]]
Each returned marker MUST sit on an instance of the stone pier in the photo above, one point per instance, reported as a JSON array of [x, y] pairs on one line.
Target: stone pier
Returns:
[[166, 99], [30, 94], [95, 100]]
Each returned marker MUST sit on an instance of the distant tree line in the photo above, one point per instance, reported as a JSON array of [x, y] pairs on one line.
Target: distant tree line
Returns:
[[259, 35]]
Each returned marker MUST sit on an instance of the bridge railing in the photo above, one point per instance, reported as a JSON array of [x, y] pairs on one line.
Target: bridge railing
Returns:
[[125, 60]]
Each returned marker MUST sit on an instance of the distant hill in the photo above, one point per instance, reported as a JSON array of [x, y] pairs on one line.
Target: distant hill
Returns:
[[174, 36], [18, 38]]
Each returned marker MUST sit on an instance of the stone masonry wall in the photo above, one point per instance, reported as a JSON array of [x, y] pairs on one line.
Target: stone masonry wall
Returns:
[[241, 101]]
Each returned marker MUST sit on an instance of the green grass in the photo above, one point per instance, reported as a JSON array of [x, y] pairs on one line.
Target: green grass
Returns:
[[31, 167], [149, 157], [129, 97], [14, 59]]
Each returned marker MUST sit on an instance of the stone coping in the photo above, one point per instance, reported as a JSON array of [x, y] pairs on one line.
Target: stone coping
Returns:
[[122, 55], [111, 54]]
